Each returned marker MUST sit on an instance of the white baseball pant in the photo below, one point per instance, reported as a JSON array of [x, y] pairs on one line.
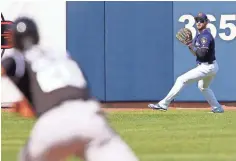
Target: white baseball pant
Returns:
[[203, 74], [75, 128]]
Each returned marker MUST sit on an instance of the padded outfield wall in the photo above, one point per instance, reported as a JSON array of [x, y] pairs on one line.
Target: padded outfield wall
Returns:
[[129, 52]]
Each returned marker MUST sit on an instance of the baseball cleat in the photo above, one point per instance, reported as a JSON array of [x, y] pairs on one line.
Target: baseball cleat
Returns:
[[217, 110], [156, 107]]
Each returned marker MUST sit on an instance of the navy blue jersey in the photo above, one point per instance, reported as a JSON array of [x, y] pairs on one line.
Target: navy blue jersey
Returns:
[[204, 46]]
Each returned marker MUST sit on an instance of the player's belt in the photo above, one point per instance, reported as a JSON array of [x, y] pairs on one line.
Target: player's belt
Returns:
[[209, 62]]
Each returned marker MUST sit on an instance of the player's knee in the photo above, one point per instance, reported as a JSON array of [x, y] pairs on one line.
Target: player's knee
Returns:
[[181, 80]]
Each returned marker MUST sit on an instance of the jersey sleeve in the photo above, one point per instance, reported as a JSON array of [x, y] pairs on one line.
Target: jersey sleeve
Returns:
[[9, 65]]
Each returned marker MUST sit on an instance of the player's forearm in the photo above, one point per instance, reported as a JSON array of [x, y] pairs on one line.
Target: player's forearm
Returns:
[[192, 49], [194, 53], [3, 72], [200, 52]]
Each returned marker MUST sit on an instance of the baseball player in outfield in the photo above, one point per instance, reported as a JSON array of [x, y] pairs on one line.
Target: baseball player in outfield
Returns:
[[69, 122], [203, 47]]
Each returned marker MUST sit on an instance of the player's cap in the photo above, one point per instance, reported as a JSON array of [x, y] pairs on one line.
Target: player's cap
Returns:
[[201, 16]]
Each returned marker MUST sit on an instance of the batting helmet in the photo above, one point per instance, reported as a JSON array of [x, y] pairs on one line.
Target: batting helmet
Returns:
[[24, 33]]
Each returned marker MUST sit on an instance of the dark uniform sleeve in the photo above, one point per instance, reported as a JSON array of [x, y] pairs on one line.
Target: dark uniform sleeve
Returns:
[[9, 66], [204, 48]]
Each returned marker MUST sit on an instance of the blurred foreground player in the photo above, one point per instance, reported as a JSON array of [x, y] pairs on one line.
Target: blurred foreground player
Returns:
[[69, 121]]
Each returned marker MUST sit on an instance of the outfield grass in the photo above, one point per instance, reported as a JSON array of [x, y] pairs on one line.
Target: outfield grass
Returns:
[[176, 135]]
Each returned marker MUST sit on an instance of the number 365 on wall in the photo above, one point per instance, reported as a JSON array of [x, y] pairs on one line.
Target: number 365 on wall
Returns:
[[226, 22]]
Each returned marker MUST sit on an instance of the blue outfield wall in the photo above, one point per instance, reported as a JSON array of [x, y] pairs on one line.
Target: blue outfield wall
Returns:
[[129, 52], [136, 52], [85, 41], [224, 85]]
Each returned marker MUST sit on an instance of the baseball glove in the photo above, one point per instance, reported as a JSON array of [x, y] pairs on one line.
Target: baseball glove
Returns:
[[184, 35]]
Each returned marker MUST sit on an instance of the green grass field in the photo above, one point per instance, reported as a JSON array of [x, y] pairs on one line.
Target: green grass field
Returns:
[[176, 135]]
